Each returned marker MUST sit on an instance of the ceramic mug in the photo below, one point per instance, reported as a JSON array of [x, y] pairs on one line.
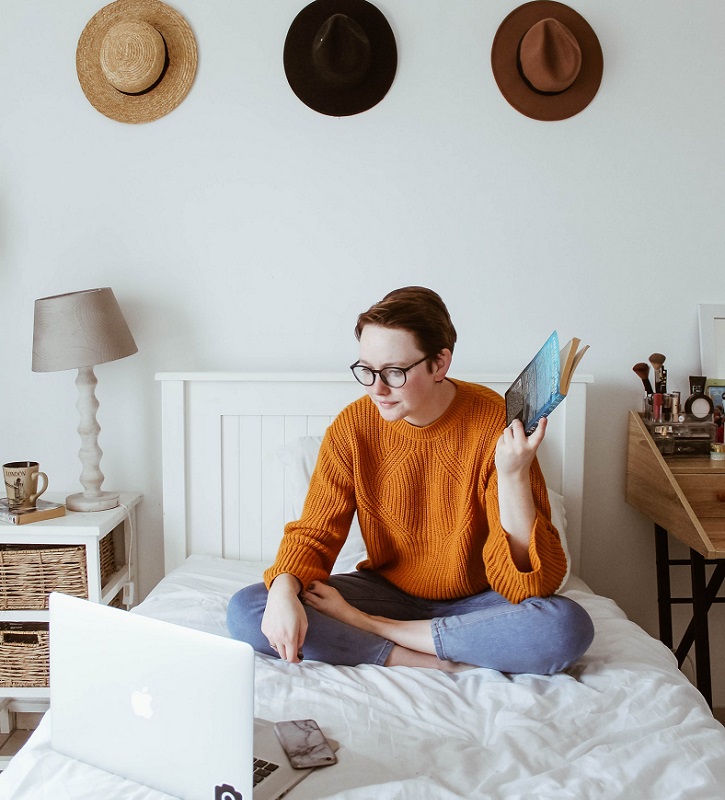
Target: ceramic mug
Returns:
[[21, 483]]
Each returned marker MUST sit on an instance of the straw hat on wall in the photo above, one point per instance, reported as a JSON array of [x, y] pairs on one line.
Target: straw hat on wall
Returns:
[[136, 60]]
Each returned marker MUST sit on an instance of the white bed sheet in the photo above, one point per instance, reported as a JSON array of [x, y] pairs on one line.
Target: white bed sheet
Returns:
[[623, 723]]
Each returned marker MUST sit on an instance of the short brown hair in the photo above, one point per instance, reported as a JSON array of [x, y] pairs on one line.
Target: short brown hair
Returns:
[[417, 310]]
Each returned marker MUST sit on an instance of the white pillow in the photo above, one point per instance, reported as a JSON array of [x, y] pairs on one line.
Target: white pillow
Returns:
[[299, 459]]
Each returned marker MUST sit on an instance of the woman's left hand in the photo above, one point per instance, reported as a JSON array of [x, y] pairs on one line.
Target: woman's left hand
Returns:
[[515, 451]]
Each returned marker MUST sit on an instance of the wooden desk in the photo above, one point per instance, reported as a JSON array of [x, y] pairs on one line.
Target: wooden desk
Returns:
[[685, 497]]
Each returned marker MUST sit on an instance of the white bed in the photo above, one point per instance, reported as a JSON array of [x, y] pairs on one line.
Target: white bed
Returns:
[[622, 723]]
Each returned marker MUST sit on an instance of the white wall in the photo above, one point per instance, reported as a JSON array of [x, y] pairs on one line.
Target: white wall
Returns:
[[245, 231]]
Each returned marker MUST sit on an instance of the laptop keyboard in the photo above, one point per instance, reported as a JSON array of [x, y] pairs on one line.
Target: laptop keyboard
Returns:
[[263, 769]]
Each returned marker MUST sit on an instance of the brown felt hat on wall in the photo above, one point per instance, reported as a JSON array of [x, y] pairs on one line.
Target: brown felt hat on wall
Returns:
[[547, 60], [136, 60], [340, 56]]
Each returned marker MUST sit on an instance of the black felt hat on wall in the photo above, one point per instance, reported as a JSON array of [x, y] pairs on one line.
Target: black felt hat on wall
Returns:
[[340, 56]]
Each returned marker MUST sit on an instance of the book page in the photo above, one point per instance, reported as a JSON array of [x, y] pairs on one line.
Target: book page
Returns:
[[570, 358]]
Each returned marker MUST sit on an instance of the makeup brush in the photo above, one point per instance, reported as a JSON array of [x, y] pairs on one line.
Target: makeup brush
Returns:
[[642, 370], [657, 360]]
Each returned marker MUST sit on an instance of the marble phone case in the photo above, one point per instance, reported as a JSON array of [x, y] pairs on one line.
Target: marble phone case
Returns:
[[304, 743]]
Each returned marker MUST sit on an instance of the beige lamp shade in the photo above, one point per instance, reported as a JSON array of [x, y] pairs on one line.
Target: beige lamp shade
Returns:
[[79, 329]]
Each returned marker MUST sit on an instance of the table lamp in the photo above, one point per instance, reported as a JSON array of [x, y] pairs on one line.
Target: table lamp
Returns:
[[78, 331]]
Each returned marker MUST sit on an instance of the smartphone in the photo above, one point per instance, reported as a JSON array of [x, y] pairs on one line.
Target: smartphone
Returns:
[[304, 743]]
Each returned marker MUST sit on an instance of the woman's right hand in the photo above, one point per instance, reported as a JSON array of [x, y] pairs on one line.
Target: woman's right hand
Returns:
[[285, 622]]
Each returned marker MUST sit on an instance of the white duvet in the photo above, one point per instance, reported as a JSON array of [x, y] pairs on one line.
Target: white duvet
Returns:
[[623, 723]]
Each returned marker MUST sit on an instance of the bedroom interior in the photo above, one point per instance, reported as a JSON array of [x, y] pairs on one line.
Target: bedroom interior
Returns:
[[243, 231]]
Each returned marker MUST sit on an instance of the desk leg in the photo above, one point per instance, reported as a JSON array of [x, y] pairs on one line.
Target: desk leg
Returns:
[[664, 593], [700, 608]]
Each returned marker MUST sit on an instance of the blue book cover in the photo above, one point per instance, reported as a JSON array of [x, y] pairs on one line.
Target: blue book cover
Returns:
[[544, 382]]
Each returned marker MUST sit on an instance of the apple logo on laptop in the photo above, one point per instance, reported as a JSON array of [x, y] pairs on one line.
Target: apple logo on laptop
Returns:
[[141, 703]]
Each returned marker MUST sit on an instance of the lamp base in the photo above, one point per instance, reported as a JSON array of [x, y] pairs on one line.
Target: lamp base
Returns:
[[101, 501]]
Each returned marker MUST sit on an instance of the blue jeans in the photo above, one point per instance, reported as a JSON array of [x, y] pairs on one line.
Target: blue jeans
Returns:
[[541, 635]]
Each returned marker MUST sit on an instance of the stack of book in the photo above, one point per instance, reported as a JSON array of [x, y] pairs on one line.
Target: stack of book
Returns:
[[43, 509]]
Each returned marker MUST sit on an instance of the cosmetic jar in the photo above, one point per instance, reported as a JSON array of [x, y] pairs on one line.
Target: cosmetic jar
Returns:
[[717, 451]]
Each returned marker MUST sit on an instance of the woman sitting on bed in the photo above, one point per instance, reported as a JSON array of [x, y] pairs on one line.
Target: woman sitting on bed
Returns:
[[463, 560]]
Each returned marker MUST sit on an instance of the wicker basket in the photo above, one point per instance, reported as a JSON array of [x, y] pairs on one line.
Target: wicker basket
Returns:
[[24, 654], [29, 573], [108, 558], [117, 601]]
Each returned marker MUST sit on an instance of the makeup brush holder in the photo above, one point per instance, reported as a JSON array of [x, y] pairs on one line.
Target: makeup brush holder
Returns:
[[691, 437]]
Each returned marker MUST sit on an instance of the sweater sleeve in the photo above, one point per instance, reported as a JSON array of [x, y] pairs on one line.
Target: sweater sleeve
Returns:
[[548, 561], [310, 545]]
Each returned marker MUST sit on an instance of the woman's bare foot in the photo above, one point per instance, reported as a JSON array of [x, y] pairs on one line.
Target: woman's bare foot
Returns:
[[327, 600]]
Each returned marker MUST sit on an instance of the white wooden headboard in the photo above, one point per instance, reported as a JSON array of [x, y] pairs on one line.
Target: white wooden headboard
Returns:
[[223, 481]]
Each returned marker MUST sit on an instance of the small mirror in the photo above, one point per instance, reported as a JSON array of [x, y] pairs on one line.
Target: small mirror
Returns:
[[712, 341]]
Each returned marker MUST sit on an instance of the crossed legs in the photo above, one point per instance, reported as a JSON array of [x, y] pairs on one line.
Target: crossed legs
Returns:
[[360, 618]]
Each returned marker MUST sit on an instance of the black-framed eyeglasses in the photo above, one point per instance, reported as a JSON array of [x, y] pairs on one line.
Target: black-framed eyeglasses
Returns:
[[393, 377]]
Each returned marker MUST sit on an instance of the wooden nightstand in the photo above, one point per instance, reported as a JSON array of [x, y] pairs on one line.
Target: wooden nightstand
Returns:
[[102, 550], [685, 497]]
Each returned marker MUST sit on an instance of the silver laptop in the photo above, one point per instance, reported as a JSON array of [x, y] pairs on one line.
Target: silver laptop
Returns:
[[168, 707]]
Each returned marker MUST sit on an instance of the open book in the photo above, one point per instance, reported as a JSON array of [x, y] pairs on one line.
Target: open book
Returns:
[[544, 383]]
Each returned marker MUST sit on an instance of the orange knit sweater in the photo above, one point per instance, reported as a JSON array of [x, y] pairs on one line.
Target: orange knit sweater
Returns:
[[427, 504]]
